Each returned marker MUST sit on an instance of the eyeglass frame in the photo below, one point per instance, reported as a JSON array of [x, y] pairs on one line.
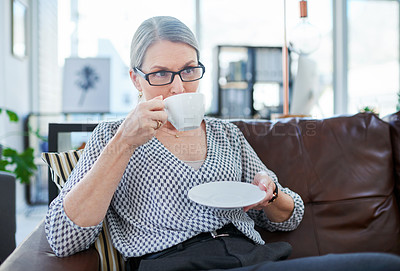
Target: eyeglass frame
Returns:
[[173, 74]]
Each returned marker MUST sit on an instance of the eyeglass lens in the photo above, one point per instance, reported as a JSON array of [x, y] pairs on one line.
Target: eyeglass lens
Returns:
[[166, 77]]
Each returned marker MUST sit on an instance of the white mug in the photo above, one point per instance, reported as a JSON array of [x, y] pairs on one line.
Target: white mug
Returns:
[[185, 111]]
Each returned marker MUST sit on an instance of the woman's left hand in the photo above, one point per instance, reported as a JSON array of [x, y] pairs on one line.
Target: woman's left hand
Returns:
[[265, 183]]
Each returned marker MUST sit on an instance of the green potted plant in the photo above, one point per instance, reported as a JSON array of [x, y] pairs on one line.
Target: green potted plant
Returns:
[[20, 163], [370, 109]]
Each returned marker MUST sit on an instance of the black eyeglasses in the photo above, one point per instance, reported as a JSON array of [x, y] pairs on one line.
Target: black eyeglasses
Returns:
[[161, 78]]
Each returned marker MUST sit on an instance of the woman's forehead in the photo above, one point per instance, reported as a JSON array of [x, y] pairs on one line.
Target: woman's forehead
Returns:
[[166, 53]]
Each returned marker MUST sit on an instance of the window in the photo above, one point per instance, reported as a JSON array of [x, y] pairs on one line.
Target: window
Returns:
[[373, 50]]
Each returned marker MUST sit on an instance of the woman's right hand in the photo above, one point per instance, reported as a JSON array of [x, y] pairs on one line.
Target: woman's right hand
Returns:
[[142, 122]]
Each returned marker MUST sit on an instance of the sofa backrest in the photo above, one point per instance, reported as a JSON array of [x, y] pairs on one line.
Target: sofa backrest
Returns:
[[343, 168], [394, 122]]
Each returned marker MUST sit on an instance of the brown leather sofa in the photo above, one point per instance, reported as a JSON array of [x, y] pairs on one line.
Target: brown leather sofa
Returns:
[[346, 169]]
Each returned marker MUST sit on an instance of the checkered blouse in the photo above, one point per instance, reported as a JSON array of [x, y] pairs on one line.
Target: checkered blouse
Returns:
[[150, 210]]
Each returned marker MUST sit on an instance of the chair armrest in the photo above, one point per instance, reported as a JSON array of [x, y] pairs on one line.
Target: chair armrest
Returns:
[[35, 254]]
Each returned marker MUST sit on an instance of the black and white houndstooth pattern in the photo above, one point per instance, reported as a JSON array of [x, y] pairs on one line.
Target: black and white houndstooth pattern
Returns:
[[150, 210]]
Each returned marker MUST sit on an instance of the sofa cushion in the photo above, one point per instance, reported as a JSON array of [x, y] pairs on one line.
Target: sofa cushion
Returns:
[[342, 167], [61, 166]]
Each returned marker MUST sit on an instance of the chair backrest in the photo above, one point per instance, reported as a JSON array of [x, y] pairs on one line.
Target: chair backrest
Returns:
[[7, 214], [55, 129]]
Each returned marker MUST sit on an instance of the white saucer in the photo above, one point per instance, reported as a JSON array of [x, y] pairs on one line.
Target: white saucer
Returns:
[[226, 195]]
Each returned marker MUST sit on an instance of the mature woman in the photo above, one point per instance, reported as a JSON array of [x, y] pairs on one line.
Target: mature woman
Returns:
[[137, 172]]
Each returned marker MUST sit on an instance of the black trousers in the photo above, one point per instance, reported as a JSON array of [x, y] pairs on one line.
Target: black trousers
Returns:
[[205, 253], [238, 253], [366, 261], [206, 260]]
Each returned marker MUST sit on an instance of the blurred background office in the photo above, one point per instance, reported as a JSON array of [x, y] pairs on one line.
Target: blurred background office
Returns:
[[352, 63]]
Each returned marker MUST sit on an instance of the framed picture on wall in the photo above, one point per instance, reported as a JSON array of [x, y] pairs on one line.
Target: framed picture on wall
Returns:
[[86, 85], [19, 21]]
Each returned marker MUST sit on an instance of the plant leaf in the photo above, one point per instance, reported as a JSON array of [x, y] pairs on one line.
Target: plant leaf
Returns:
[[3, 164], [8, 152], [24, 163], [12, 116]]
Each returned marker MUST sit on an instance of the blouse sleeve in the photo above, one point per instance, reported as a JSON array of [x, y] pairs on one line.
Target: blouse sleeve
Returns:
[[251, 165], [64, 236]]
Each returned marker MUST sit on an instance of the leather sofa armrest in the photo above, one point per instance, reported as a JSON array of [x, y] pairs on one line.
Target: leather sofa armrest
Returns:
[[35, 254]]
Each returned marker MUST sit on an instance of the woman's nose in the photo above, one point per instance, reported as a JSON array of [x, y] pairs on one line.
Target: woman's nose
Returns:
[[177, 84]]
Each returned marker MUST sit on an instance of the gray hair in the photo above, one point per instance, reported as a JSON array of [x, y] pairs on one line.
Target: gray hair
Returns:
[[159, 28]]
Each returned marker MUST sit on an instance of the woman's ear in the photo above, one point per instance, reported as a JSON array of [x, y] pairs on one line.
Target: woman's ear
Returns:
[[135, 79]]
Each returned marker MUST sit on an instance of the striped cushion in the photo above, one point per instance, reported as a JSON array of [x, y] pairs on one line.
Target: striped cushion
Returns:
[[61, 165]]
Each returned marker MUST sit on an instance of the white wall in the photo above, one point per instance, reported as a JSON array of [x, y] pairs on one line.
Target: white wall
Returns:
[[14, 79]]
